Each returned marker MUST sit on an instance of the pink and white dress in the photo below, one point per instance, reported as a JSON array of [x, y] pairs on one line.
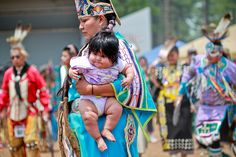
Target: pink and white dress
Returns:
[[97, 76]]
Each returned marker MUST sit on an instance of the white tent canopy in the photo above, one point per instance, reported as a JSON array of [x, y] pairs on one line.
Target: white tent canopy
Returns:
[[199, 44]]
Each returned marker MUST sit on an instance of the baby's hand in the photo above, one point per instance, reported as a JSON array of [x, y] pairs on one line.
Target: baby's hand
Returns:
[[126, 82], [73, 73]]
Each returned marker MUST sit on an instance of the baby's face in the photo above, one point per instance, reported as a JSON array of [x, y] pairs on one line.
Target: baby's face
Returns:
[[99, 60]]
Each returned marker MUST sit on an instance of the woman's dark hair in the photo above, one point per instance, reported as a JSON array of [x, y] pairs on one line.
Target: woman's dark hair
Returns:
[[174, 49], [217, 42], [71, 49], [143, 58], [192, 51], [106, 43]]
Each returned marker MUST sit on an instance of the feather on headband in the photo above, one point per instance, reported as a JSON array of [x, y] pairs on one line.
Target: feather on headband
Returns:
[[21, 32]]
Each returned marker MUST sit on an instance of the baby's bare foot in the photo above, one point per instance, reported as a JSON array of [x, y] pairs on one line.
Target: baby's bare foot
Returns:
[[101, 144], [107, 133]]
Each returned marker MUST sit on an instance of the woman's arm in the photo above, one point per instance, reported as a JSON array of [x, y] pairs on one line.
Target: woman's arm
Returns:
[[4, 98], [63, 74], [153, 79], [188, 73], [84, 88], [231, 73]]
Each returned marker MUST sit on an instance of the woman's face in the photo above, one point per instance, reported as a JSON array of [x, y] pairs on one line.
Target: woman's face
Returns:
[[172, 57], [99, 60], [90, 25], [143, 63], [18, 60], [65, 58]]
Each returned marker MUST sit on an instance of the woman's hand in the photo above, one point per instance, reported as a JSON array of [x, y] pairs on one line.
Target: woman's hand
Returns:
[[3, 113], [153, 78], [83, 87], [178, 100], [192, 109], [176, 114]]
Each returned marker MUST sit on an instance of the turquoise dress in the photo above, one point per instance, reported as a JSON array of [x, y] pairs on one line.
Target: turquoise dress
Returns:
[[88, 145], [136, 111]]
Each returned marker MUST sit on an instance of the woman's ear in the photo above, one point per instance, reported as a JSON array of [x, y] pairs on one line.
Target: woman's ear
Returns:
[[102, 21]]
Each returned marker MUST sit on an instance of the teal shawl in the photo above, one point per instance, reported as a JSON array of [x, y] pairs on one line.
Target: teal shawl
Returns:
[[141, 107]]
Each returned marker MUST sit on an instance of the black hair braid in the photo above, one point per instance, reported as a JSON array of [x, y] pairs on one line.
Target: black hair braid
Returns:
[[111, 24], [175, 49]]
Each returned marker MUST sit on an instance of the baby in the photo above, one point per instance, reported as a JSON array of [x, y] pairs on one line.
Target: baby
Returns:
[[101, 66]]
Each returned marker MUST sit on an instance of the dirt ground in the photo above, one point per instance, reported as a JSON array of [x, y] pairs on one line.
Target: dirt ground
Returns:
[[153, 150]]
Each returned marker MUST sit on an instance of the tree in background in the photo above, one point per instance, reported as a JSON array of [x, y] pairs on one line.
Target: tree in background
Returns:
[[182, 19], [167, 19], [206, 12]]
